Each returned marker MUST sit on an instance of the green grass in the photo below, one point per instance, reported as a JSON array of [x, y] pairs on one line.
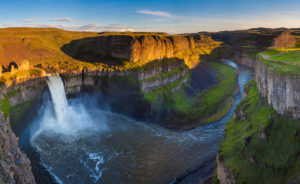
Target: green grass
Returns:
[[280, 67], [271, 52], [204, 107], [4, 102], [292, 57], [5, 106], [274, 159], [155, 95], [282, 62], [211, 104], [17, 112]]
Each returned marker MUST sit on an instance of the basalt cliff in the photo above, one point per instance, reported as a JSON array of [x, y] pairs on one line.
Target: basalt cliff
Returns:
[[261, 140], [14, 165], [280, 90], [134, 48]]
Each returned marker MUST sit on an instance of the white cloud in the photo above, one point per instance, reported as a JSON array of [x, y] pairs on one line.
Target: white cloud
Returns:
[[87, 27], [31, 20], [5, 24], [156, 13], [61, 20]]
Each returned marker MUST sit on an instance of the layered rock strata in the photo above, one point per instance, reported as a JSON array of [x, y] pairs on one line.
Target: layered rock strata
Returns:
[[281, 91]]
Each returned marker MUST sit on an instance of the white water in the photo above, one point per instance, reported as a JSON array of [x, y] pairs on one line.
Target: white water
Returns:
[[59, 99], [63, 118]]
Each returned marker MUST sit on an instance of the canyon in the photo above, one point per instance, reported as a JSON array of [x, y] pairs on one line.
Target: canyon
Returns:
[[269, 110], [148, 77], [153, 63]]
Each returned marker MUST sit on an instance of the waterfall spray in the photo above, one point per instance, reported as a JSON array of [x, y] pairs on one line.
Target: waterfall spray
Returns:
[[64, 118]]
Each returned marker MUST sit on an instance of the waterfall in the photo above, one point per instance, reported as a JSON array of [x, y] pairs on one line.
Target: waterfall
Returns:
[[62, 117], [59, 98]]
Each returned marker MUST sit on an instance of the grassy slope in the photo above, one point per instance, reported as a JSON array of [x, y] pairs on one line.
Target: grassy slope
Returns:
[[284, 61], [285, 64], [201, 108], [274, 159], [42, 48], [289, 57]]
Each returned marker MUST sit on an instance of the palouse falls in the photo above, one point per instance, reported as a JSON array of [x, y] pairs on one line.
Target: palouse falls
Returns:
[[149, 92]]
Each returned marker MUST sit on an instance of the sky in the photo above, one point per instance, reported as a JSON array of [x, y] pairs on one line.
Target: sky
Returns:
[[171, 16]]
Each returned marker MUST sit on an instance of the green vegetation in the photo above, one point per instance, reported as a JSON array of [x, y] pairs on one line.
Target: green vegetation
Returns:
[[17, 112], [154, 96], [282, 67], [207, 106], [260, 146], [292, 57], [283, 61], [4, 103], [5, 106]]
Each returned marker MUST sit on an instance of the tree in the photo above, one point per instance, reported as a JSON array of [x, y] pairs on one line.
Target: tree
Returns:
[[285, 40]]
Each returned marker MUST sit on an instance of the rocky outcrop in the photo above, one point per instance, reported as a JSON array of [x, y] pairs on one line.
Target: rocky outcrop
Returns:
[[225, 175], [14, 165], [22, 92], [161, 80], [134, 48], [246, 60], [280, 91]]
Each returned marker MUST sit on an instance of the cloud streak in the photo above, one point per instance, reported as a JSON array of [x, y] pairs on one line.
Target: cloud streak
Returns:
[[156, 13], [5, 24], [31, 20], [61, 20]]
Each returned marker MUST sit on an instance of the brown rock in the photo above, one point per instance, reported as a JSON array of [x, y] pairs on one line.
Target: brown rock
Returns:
[[225, 175], [142, 48], [14, 165]]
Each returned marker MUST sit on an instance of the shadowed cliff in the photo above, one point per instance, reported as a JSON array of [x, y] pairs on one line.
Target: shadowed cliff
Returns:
[[115, 49]]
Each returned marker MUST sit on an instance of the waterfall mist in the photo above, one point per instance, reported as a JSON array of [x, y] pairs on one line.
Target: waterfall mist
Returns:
[[62, 117]]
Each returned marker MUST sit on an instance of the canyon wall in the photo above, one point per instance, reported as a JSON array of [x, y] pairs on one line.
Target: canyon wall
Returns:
[[246, 60], [225, 175], [133, 48], [14, 165], [281, 91], [146, 78]]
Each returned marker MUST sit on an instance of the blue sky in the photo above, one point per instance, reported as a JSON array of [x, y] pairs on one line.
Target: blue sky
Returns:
[[172, 16]]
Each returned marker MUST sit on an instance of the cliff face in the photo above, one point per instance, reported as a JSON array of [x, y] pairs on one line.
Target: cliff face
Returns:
[[225, 175], [149, 48], [14, 165], [246, 60], [146, 79], [21, 92], [143, 48], [280, 91]]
